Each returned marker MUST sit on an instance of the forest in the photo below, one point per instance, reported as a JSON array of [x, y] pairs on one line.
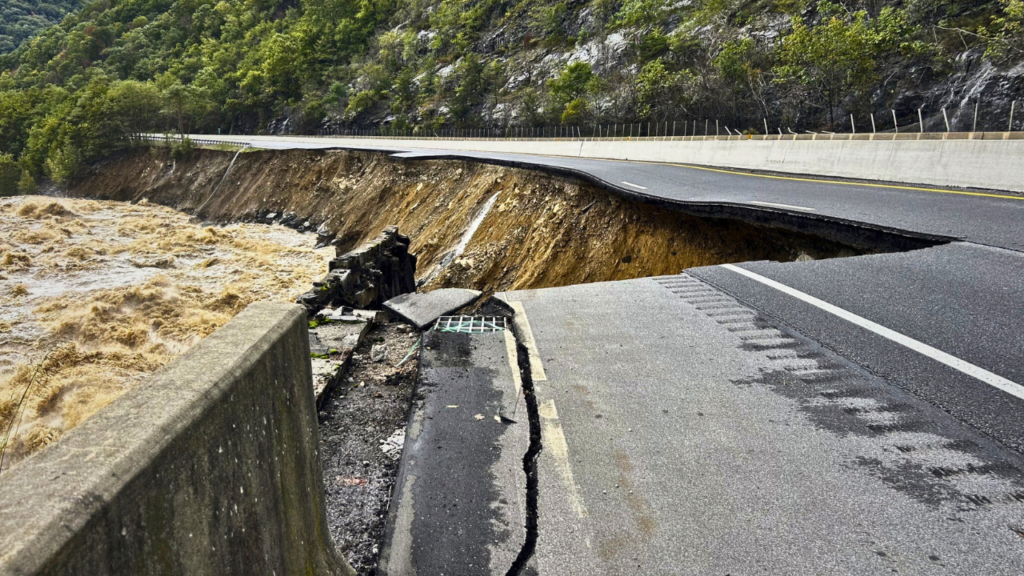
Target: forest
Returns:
[[20, 20], [90, 85]]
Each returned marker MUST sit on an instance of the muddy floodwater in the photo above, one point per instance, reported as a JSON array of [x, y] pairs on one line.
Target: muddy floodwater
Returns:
[[95, 295]]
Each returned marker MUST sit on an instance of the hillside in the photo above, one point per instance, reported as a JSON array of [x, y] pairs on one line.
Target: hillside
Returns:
[[113, 70], [20, 19]]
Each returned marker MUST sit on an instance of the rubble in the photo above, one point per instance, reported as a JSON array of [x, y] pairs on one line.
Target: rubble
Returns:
[[367, 276], [333, 337]]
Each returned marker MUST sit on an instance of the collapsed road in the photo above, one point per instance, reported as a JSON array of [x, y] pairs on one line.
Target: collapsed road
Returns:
[[851, 415]]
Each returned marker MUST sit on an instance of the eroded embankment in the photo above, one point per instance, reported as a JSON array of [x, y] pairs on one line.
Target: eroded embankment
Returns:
[[532, 230]]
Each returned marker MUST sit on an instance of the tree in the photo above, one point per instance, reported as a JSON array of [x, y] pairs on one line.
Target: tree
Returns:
[[9, 175], [185, 103], [571, 88], [1006, 33], [747, 67], [134, 108], [831, 61], [661, 94]]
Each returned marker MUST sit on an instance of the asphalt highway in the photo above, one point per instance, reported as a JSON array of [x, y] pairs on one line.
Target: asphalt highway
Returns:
[[855, 415], [982, 217]]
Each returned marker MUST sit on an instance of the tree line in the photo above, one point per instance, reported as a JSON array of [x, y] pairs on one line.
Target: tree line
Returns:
[[118, 68]]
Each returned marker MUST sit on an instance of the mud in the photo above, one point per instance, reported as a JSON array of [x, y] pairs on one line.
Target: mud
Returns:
[[96, 295], [539, 231], [363, 412]]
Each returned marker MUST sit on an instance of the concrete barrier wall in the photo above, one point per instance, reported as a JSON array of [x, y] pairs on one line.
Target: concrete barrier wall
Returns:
[[992, 161], [211, 466]]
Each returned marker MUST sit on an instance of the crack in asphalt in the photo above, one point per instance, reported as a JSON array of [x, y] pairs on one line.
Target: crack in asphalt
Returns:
[[529, 459]]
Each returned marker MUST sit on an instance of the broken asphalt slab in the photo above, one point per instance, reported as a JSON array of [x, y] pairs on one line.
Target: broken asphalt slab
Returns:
[[331, 343], [460, 498], [423, 309]]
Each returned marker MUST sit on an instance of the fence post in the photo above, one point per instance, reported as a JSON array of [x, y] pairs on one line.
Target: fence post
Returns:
[[717, 132], [894, 123], [974, 128], [853, 126], [945, 118], [1012, 106], [765, 127], [920, 119], [873, 123], [705, 127]]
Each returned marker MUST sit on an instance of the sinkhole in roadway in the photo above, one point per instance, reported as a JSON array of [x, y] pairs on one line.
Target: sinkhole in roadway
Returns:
[[475, 225]]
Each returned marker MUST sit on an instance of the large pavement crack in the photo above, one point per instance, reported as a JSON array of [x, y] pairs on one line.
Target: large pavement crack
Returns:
[[529, 459]]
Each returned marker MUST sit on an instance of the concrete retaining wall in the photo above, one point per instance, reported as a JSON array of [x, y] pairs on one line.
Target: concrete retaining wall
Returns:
[[211, 466], [992, 161]]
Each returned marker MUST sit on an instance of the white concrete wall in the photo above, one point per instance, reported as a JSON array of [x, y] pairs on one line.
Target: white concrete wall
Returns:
[[988, 161]]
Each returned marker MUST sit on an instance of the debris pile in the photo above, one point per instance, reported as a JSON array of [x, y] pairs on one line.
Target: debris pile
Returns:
[[367, 276]]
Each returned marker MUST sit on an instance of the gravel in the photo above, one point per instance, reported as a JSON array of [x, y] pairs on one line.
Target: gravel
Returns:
[[362, 426]]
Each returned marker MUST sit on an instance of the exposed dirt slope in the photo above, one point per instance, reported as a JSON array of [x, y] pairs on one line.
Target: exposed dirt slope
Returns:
[[542, 230], [95, 295]]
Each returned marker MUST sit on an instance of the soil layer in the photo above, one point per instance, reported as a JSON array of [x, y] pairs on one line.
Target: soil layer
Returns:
[[538, 230]]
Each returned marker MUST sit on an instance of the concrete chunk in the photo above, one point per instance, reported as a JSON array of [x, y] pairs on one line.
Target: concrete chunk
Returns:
[[422, 310]]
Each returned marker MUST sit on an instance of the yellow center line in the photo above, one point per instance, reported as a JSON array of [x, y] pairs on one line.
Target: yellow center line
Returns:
[[824, 181], [773, 177]]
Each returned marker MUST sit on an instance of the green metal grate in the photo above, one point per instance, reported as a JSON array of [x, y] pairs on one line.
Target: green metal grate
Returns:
[[470, 324]]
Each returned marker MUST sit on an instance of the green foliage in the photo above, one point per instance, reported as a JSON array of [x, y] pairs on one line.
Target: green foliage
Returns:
[[570, 90], [182, 149], [20, 19], [117, 69], [662, 94], [10, 173], [134, 108], [831, 60], [27, 184], [1006, 32], [547, 21], [576, 81], [642, 13]]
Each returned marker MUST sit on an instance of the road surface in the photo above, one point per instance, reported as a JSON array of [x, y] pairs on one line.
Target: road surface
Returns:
[[848, 416]]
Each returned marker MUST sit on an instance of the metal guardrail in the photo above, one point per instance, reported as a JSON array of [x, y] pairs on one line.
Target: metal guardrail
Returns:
[[881, 136]]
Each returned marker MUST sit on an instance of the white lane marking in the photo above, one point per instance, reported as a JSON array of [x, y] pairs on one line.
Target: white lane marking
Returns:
[[555, 444], [523, 323], [801, 208], [634, 185], [1008, 386]]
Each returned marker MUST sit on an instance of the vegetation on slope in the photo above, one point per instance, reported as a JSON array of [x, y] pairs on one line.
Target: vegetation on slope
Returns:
[[20, 19], [116, 69]]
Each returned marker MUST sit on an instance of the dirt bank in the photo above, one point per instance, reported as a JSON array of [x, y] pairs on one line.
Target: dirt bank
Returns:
[[96, 295], [540, 230]]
